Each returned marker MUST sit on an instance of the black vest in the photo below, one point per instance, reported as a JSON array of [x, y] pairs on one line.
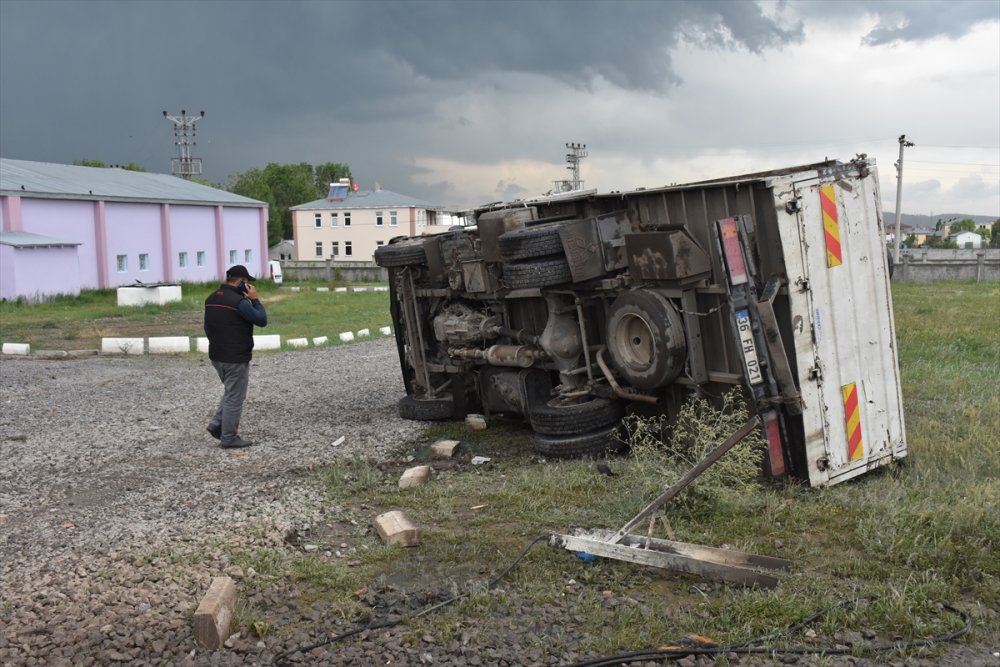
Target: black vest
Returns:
[[230, 337]]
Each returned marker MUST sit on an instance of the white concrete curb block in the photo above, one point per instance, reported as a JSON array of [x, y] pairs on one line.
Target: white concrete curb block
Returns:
[[169, 344], [296, 289], [297, 342], [322, 289], [272, 342], [339, 289], [320, 340], [381, 289], [386, 331], [122, 346], [347, 336], [364, 332], [359, 289], [202, 344], [16, 348]]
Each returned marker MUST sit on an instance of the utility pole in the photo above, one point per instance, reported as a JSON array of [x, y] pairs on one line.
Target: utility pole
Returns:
[[903, 143], [577, 153], [184, 166]]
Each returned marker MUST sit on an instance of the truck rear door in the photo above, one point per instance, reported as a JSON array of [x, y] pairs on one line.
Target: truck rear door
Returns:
[[841, 309]]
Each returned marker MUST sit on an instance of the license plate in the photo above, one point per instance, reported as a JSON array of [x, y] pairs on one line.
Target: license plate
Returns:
[[748, 347]]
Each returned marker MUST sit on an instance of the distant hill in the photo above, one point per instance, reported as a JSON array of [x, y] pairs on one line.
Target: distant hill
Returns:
[[929, 221]]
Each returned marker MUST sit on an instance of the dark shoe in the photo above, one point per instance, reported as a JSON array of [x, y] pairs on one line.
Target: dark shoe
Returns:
[[215, 431], [237, 443]]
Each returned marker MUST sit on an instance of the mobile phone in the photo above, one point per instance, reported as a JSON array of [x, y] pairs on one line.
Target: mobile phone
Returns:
[[242, 287]]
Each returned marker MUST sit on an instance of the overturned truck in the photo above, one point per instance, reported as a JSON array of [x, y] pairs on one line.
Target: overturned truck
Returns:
[[570, 310]]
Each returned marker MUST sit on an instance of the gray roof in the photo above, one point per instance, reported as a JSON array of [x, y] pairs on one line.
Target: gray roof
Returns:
[[64, 181], [29, 240], [382, 199]]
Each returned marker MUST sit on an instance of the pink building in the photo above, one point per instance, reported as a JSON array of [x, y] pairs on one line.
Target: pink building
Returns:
[[65, 228]]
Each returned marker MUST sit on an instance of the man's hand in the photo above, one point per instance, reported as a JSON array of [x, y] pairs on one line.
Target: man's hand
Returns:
[[252, 292]]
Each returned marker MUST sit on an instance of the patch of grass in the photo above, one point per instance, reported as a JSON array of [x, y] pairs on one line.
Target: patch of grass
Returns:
[[923, 531], [76, 323]]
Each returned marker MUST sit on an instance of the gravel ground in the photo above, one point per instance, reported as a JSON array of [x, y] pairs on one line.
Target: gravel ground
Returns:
[[115, 505]]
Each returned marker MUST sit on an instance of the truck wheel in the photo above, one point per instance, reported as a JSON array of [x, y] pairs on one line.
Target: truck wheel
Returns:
[[646, 339], [540, 273], [539, 241], [400, 254], [595, 443], [554, 419], [426, 409]]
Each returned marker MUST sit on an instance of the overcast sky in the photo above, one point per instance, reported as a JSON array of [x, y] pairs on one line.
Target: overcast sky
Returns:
[[463, 103]]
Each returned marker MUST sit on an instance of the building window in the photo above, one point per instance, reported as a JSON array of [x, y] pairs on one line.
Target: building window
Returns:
[[347, 248], [335, 249], [319, 219], [232, 257], [347, 218], [319, 248], [392, 218], [182, 260], [122, 263], [144, 261], [247, 256], [378, 218], [333, 219], [201, 258]]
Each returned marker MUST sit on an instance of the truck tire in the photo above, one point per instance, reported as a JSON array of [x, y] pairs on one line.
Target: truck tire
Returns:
[[594, 443], [400, 254], [555, 419], [426, 409], [539, 273], [539, 241], [646, 339]]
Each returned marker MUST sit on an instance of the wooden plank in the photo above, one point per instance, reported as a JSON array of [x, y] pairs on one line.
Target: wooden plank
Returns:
[[712, 554], [668, 561]]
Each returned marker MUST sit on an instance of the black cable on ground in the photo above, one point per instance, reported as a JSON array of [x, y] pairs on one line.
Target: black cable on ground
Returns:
[[282, 658], [680, 648], [752, 646]]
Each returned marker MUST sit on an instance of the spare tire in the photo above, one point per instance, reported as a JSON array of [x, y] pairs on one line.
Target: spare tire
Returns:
[[552, 418], [404, 253], [646, 339], [540, 273], [539, 241]]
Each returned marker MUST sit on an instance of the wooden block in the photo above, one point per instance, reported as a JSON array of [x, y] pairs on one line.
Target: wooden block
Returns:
[[476, 422], [416, 476], [395, 529], [444, 449], [211, 620]]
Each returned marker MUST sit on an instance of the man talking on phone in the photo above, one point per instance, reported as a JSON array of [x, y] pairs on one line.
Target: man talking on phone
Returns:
[[230, 315]]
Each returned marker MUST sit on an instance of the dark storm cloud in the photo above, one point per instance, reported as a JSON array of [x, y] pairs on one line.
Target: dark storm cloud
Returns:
[[917, 21]]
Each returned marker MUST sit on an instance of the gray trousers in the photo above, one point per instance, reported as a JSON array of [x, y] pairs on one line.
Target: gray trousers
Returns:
[[235, 378]]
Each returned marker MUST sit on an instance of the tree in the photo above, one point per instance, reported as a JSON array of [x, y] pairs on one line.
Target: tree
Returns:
[[966, 225], [285, 185], [281, 186], [330, 172], [995, 233]]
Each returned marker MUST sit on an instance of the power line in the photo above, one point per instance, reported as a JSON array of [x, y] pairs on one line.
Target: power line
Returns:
[[969, 164]]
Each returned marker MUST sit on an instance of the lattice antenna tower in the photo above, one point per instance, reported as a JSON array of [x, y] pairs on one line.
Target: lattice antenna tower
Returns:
[[185, 166], [576, 153]]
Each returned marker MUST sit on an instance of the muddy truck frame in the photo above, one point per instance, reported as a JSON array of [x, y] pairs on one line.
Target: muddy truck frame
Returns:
[[570, 310]]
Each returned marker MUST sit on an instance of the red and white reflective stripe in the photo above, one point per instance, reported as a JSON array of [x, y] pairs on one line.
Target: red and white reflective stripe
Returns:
[[852, 420], [831, 226], [734, 256]]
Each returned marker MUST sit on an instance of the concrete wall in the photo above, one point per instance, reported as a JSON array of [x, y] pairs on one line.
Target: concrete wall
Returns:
[[330, 270], [35, 273], [921, 265]]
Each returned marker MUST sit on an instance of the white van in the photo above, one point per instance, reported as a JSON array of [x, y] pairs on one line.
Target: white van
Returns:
[[274, 269]]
